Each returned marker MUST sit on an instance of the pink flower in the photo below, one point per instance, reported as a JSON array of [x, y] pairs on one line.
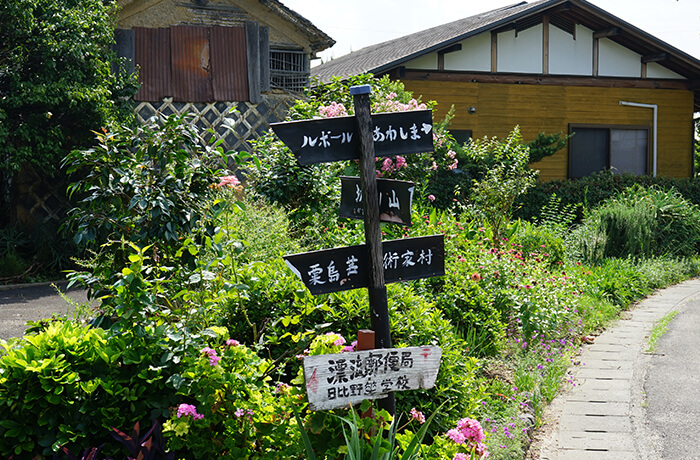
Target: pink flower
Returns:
[[350, 347], [339, 342], [333, 110], [229, 181], [455, 435], [232, 343], [434, 166], [188, 409], [452, 154], [431, 197], [460, 456], [213, 358], [453, 166], [400, 162], [417, 416], [388, 165]]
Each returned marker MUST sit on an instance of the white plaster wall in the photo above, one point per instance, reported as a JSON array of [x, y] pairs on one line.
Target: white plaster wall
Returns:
[[569, 56], [617, 61], [656, 70], [522, 54], [427, 62], [475, 55]]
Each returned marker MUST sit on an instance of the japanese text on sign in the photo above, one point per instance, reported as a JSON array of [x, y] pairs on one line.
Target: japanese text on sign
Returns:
[[347, 378]]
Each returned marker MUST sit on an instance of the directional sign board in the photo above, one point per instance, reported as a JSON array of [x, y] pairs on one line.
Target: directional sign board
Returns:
[[334, 139], [395, 199], [340, 380], [341, 269]]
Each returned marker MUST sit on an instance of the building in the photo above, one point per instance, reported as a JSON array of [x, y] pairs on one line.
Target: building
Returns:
[[551, 66], [209, 57]]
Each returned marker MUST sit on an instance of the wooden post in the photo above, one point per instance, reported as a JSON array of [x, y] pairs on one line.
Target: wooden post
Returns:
[[378, 304]]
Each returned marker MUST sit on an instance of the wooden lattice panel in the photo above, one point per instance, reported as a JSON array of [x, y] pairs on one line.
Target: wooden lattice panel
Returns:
[[247, 121]]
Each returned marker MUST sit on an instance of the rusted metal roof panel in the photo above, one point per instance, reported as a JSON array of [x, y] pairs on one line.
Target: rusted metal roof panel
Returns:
[[229, 64], [191, 63], [152, 55]]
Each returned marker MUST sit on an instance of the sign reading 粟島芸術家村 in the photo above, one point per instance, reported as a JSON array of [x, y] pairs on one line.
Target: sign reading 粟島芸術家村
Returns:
[[334, 139], [340, 269], [339, 380]]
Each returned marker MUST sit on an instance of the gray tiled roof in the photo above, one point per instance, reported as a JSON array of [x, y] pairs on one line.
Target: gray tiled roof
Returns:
[[377, 58]]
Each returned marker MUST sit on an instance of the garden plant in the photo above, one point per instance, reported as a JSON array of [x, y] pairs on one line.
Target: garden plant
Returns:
[[199, 329]]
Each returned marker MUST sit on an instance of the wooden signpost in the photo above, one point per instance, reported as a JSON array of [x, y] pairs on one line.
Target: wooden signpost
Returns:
[[363, 137]]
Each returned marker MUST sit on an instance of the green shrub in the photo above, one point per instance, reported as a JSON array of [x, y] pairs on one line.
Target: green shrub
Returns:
[[639, 223], [67, 385], [243, 414]]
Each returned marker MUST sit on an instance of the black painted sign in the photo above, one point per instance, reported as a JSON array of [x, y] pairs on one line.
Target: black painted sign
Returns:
[[395, 199], [341, 269], [334, 139]]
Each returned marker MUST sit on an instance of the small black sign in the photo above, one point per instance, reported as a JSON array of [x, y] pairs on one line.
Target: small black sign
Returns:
[[334, 139], [395, 199], [341, 269]]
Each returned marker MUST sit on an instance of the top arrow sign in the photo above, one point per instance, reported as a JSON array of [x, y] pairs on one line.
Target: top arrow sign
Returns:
[[334, 139]]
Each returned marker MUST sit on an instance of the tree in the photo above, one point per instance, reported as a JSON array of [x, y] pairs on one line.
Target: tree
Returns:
[[56, 84]]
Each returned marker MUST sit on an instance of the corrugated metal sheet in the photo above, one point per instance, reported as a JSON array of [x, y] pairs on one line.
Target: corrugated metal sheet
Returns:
[[229, 68], [191, 64], [152, 55]]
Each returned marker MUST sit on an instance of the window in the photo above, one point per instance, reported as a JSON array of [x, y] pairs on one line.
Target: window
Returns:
[[622, 149], [289, 69], [461, 135]]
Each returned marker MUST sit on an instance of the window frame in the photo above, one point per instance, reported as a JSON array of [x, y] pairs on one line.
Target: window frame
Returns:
[[609, 128]]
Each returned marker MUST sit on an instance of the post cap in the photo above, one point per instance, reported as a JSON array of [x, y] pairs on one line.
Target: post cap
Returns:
[[360, 89]]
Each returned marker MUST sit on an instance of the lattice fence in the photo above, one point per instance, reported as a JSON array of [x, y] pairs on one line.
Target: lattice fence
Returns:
[[38, 200], [249, 121]]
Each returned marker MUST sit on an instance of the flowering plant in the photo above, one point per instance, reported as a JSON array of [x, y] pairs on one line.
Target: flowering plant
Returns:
[[231, 407]]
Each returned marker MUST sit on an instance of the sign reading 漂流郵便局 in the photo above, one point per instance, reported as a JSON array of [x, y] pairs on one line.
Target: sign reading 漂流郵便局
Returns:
[[395, 200], [342, 379], [326, 140], [340, 269]]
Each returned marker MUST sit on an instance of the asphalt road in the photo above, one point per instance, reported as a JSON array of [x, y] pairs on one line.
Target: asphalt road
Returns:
[[19, 304], [672, 388]]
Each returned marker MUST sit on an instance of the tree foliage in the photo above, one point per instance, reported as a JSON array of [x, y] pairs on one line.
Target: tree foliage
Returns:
[[56, 84]]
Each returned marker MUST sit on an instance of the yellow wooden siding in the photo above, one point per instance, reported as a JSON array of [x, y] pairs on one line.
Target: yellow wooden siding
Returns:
[[550, 109]]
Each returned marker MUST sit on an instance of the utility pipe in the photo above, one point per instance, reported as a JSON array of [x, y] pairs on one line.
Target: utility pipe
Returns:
[[656, 110]]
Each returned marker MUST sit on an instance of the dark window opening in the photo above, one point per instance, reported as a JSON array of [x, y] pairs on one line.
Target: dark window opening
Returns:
[[289, 69], [622, 149], [462, 136]]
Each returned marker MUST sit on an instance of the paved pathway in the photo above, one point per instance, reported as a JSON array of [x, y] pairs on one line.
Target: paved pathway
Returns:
[[19, 304], [619, 408]]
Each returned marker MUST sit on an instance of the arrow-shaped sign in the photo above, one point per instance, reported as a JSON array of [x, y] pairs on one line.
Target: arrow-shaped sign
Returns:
[[395, 199], [334, 139], [341, 269]]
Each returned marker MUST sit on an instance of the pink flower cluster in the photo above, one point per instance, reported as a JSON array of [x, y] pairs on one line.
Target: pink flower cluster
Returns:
[[333, 110], [417, 416], [188, 409], [350, 347], [229, 181], [469, 433], [390, 104], [213, 357], [244, 412], [232, 343], [388, 165]]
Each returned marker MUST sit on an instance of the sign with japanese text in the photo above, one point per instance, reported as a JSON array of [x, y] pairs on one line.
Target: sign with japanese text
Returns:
[[395, 200], [326, 140], [341, 269], [339, 380]]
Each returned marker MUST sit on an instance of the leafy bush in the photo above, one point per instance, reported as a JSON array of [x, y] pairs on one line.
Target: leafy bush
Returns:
[[493, 196], [73, 383], [55, 80], [640, 222]]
